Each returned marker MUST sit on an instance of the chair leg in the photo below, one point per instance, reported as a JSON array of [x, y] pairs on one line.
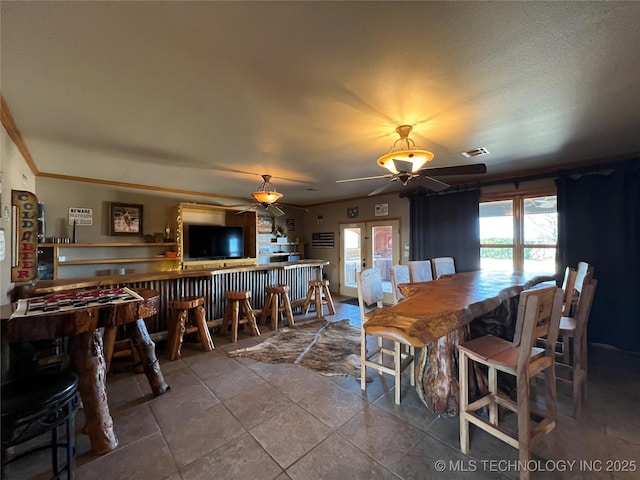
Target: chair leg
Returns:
[[288, 310], [108, 344], [235, 307], [265, 309], [363, 357], [199, 318], [318, 301], [307, 301], [464, 401], [566, 357], [397, 359], [412, 366], [524, 424], [275, 311], [175, 334], [251, 319], [329, 300], [493, 389]]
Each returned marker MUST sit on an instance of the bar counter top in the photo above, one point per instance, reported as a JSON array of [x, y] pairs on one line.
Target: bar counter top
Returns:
[[51, 286]]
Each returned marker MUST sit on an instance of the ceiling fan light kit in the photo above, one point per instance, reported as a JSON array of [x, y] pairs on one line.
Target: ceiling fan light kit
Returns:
[[266, 193], [404, 156]]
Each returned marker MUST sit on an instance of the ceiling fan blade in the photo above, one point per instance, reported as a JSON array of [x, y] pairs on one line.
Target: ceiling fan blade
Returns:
[[473, 169], [389, 175], [383, 187], [250, 207], [433, 184], [277, 211], [403, 166]]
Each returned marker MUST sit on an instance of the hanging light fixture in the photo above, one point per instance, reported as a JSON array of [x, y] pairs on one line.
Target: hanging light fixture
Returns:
[[404, 150], [266, 193]]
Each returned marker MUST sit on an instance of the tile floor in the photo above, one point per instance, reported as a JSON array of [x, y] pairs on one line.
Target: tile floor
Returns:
[[235, 418]]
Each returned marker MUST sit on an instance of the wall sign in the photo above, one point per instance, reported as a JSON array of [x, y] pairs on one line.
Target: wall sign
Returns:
[[80, 216], [25, 257]]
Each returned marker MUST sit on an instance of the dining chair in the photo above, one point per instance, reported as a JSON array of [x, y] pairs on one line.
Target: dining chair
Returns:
[[420, 270], [399, 274], [575, 328], [443, 266], [583, 275], [568, 286], [369, 284], [539, 312]]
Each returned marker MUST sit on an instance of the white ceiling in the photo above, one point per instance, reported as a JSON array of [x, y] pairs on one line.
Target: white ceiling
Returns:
[[206, 96]]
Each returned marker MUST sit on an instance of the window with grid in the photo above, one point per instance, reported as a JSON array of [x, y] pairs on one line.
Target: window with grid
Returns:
[[519, 233]]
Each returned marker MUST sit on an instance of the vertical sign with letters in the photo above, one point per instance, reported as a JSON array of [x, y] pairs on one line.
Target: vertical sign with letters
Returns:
[[25, 266]]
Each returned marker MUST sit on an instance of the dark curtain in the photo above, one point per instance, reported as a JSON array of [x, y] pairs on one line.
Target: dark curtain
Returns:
[[599, 223], [446, 226]]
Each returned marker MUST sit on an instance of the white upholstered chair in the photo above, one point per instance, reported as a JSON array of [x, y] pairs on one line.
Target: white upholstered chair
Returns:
[[443, 266], [420, 270], [370, 294], [399, 274]]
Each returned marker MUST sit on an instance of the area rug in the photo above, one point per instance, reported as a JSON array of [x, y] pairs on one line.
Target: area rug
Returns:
[[329, 348]]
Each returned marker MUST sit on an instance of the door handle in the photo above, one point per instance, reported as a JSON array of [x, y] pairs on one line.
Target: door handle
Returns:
[[364, 263]]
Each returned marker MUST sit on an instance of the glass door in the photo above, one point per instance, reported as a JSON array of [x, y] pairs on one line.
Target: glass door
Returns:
[[366, 245]]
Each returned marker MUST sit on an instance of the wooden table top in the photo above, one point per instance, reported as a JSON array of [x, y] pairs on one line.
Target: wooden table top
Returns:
[[73, 322], [433, 309]]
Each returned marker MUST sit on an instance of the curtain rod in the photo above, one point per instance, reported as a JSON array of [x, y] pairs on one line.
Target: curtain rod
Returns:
[[583, 170]]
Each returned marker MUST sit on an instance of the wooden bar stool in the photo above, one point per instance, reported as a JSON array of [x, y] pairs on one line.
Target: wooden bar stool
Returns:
[[319, 294], [184, 309], [237, 300], [277, 301]]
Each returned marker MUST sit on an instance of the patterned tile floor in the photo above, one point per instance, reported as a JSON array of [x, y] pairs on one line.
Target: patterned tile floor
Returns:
[[235, 418]]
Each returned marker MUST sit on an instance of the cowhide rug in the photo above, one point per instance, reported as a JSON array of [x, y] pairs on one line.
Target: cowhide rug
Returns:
[[329, 348]]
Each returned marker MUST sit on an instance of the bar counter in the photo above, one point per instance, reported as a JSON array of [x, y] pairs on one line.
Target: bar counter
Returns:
[[208, 283]]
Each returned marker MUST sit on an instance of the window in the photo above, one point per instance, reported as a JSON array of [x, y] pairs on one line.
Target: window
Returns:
[[519, 233]]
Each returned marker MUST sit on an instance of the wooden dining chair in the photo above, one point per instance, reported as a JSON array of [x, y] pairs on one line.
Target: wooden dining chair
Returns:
[[420, 271], [583, 275], [568, 287], [575, 328], [399, 274], [369, 283], [538, 316]]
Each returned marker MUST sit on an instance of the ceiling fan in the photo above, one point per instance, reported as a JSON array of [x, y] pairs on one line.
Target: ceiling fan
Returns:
[[405, 162], [266, 197]]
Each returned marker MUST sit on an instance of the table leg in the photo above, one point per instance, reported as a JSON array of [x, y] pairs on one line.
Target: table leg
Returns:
[[147, 350], [87, 359]]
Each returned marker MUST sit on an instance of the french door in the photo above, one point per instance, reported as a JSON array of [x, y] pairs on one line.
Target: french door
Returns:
[[366, 245]]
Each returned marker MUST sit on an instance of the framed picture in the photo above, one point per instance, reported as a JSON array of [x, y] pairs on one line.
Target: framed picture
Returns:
[[125, 219], [265, 224], [381, 209], [352, 212]]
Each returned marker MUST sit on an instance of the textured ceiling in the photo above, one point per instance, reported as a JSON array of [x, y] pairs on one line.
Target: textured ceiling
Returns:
[[207, 96]]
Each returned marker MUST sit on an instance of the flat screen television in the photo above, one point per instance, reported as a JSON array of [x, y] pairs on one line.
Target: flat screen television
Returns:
[[213, 242]]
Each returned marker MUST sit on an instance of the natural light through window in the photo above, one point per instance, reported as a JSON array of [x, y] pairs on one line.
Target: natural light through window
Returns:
[[519, 234]]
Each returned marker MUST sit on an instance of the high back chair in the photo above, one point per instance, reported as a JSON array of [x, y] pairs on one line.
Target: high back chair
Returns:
[[575, 328], [568, 287], [399, 274], [420, 271], [539, 313], [443, 266], [369, 284], [583, 275]]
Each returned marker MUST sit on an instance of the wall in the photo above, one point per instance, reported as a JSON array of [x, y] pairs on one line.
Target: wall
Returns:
[[15, 175], [329, 218]]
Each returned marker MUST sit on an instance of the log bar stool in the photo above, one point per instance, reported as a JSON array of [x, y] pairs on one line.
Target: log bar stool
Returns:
[[235, 301], [276, 301], [319, 294], [188, 308]]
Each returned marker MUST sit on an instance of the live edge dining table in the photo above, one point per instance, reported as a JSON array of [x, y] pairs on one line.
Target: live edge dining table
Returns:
[[83, 327], [439, 314]]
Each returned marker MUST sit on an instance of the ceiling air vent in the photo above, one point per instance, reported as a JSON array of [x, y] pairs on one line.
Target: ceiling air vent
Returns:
[[476, 152]]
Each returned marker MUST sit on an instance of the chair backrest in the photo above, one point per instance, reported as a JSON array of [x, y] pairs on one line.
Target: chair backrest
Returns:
[[369, 283], [399, 274], [584, 274], [568, 286], [539, 311], [443, 266], [420, 271], [583, 310]]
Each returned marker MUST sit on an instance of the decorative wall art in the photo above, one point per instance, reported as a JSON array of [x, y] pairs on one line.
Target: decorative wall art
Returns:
[[125, 219]]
